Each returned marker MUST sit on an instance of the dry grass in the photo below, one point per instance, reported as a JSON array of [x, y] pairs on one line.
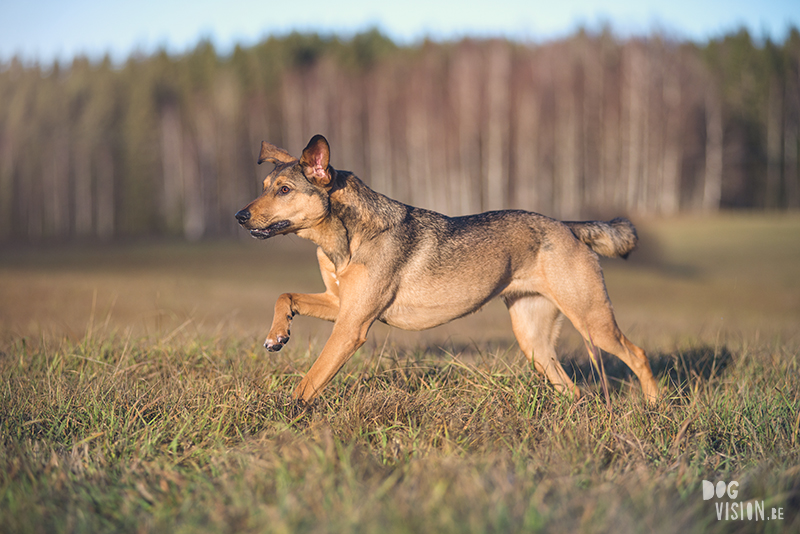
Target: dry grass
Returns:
[[135, 396]]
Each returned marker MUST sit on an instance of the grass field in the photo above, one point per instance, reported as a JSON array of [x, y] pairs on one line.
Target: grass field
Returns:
[[136, 397]]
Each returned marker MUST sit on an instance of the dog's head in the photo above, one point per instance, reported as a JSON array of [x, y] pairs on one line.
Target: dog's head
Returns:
[[295, 194]]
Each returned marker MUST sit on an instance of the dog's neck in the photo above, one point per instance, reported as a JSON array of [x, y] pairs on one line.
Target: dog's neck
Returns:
[[356, 214]]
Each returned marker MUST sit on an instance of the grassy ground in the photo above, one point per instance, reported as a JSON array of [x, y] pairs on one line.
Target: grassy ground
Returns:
[[135, 396]]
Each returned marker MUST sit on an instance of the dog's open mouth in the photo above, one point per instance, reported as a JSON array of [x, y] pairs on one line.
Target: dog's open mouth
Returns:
[[269, 231]]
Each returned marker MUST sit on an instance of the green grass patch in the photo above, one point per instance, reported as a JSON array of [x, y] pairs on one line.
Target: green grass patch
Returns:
[[123, 435]]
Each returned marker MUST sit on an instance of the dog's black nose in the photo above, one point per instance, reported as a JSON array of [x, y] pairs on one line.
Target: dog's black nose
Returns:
[[242, 216]]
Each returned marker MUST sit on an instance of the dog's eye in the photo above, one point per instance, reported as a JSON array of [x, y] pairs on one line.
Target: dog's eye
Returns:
[[284, 190]]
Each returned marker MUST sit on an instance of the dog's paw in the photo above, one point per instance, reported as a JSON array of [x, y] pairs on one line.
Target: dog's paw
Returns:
[[274, 344]]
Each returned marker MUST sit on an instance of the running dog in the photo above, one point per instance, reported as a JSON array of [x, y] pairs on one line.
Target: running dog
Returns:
[[412, 268]]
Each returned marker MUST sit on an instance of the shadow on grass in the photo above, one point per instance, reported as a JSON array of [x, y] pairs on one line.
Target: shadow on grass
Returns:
[[411, 372], [681, 367]]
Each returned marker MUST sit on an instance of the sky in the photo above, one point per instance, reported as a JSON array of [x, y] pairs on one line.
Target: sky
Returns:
[[48, 30]]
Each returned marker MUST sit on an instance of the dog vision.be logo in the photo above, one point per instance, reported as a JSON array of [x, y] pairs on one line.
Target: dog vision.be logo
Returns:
[[732, 510]]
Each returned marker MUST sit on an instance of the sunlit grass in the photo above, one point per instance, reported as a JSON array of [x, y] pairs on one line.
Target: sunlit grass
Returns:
[[123, 434]]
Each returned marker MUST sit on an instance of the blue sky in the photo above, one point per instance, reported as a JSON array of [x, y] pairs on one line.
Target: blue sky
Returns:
[[45, 30]]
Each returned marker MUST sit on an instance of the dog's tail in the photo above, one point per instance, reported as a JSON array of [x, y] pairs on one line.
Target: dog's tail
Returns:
[[615, 239]]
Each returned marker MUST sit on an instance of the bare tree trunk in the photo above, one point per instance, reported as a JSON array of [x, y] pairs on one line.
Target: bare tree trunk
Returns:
[[6, 186], [31, 199], [438, 132], [84, 202], [258, 128], [546, 171], [592, 87], [200, 177], [317, 102], [226, 189], [772, 188], [345, 98], [567, 157], [398, 168], [790, 143], [495, 168], [612, 140], [465, 72], [418, 142], [172, 166], [105, 194], [292, 108], [651, 143], [57, 190], [712, 183], [193, 225], [790, 164], [634, 115], [526, 155], [673, 147], [378, 141]]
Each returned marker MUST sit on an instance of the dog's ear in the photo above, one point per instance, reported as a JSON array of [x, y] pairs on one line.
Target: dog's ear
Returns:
[[315, 160], [273, 154]]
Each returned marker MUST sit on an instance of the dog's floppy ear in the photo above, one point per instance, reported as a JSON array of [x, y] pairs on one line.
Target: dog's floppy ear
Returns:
[[273, 154], [315, 160]]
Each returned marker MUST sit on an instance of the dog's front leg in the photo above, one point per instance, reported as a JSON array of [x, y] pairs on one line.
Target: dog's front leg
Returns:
[[362, 298], [345, 340], [319, 305]]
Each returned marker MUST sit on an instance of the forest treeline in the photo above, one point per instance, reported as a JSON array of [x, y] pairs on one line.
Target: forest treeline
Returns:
[[591, 125]]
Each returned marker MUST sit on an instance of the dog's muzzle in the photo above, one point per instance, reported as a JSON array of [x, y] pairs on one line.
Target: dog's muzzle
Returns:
[[243, 216]]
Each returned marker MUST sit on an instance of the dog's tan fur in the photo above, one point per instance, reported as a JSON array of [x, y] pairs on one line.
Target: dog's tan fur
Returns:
[[416, 269]]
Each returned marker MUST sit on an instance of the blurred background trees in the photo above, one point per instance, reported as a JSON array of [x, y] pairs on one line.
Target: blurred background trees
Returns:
[[589, 126]]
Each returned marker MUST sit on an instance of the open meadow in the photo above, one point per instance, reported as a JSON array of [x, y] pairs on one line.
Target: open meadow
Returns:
[[135, 396]]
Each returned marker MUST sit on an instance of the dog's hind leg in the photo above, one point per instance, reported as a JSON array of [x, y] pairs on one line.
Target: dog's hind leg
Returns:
[[593, 317], [536, 323], [602, 331]]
